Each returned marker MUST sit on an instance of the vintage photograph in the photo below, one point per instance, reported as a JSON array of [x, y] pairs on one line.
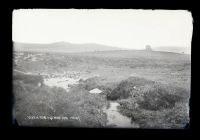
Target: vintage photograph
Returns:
[[102, 68]]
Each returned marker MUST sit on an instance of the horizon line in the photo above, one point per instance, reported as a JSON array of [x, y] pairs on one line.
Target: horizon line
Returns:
[[100, 44]]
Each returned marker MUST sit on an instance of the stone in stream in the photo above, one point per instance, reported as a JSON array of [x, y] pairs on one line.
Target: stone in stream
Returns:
[[95, 91]]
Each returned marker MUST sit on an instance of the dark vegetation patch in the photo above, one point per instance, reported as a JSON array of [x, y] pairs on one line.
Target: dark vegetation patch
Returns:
[[31, 100], [28, 79], [90, 83], [176, 117], [160, 96], [156, 105], [126, 88]]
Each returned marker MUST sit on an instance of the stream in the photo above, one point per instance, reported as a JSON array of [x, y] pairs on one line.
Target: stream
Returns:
[[116, 119]]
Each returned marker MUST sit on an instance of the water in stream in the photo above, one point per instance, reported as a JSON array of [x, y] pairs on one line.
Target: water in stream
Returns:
[[116, 119]]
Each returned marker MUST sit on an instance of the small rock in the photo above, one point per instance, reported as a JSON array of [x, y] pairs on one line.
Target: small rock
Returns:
[[95, 91]]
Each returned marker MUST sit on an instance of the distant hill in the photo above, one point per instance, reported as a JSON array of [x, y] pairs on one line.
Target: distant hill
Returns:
[[62, 47], [173, 49]]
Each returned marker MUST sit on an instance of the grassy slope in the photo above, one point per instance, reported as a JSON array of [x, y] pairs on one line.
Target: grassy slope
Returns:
[[163, 67]]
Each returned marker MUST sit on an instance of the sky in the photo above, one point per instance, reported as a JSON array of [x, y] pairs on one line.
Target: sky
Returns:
[[124, 28]]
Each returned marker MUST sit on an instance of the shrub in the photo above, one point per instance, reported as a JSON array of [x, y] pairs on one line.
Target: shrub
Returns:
[[125, 88], [176, 117], [157, 97], [90, 83], [158, 106]]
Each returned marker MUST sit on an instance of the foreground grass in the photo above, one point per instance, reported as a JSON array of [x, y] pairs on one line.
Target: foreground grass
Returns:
[[80, 107], [149, 104]]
